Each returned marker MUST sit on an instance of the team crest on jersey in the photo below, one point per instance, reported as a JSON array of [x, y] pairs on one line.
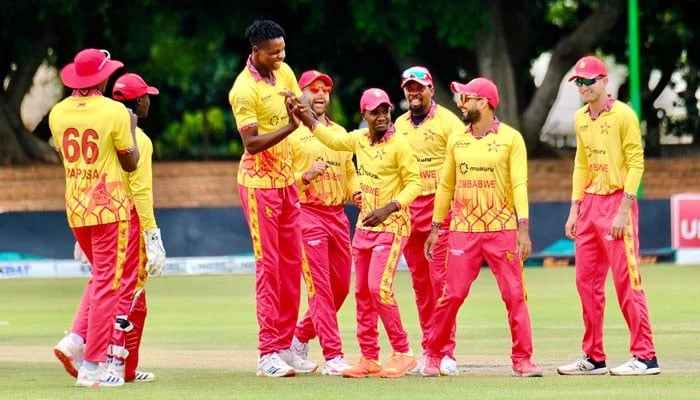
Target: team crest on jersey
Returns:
[[494, 146], [604, 129], [428, 135], [275, 120], [463, 168], [380, 155], [509, 256]]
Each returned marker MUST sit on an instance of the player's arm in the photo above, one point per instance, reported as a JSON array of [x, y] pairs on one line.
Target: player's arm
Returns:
[[443, 198], [127, 151], [255, 143], [631, 142], [518, 178]]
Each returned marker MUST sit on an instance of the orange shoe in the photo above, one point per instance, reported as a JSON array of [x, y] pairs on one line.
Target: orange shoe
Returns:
[[398, 365], [366, 367]]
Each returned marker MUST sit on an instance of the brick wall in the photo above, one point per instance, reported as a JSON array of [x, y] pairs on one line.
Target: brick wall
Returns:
[[213, 184]]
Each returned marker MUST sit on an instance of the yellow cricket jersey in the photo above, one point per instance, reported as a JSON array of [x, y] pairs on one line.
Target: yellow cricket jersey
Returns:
[[337, 184], [609, 153], [487, 180], [387, 170], [429, 140], [140, 182], [88, 131], [255, 101]]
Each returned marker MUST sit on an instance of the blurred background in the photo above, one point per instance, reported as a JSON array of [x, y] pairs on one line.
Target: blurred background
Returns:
[[193, 50]]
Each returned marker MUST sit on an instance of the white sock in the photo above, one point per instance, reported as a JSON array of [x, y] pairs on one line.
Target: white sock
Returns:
[[77, 339], [90, 365]]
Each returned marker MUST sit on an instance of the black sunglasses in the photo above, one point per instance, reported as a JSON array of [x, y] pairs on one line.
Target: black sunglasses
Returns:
[[586, 82]]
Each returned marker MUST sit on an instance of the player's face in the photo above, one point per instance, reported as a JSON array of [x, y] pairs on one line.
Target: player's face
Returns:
[[419, 97], [470, 107], [269, 55], [379, 119], [317, 96], [143, 104], [591, 90]]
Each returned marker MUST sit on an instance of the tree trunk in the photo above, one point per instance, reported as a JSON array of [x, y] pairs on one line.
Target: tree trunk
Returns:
[[569, 49], [17, 145], [495, 64]]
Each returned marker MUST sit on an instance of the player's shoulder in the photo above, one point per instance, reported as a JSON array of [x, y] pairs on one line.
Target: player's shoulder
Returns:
[[622, 107]]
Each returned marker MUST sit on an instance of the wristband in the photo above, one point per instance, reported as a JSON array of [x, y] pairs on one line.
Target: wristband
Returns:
[[356, 193], [397, 204], [523, 220], [629, 196], [436, 224], [575, 202], [304, 180]]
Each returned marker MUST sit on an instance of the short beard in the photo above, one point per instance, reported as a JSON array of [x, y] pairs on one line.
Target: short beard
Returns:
[[471, 117]]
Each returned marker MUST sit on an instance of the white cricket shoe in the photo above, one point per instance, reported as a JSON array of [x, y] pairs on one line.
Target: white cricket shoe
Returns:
[[271, 365], [637, 366], [583, 366], [448, 366], [335, 366], [300, 348], [420, 364], [116, 368], [70, 354], [299, 364], [97, 378]]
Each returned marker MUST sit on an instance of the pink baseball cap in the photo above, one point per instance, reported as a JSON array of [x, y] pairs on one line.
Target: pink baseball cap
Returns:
[[89, 68], [589, 67], [131, 86], [478, 87], [417, 74], [373, 98], [311, 75]]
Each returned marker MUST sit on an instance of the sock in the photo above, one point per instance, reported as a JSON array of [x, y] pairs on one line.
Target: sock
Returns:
[[77, 339]]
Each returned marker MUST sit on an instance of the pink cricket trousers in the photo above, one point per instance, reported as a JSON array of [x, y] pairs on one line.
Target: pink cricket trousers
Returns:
[[596, 253], [428, 278], [105, 246], [376, 256], [274, 221], [466, 255], [326, 235]]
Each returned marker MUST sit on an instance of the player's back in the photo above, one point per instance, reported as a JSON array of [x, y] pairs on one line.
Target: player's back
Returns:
[[88, 131]]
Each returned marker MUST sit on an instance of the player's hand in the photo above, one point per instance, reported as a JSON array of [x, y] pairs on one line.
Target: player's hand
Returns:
[[524, 244], [430, 243], [377, 216], [79, 254], [317, 168], [155, 252], [617, 229], [570, 225]]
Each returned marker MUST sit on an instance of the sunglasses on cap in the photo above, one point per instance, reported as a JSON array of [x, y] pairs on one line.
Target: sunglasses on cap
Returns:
[[466, 97], [586, 82], [414, 73], [317, 89]]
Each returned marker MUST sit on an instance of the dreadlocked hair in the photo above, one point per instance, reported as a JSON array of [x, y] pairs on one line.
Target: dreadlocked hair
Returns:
[[263, 30]]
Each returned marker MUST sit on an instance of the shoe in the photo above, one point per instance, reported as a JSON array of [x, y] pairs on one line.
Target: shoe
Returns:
[[448, 366], [398, 365], [335, 366], [584, 366], [116, 368], [271, 365], [432, 366], [97, 378], [526, 369], [70, 354], [637, 366], [300, 348], [420, 363], [363, 369], [300, 365], [143, 377]]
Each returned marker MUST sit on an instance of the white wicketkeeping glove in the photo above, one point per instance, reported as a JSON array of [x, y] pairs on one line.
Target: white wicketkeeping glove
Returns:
[[155, 252], [79, 254]]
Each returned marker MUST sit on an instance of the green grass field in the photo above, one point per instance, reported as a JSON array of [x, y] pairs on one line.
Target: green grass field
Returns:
[[201, 334]]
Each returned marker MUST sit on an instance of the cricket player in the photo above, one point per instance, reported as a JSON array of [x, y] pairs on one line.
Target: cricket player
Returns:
[[327, 180], [95, 138], [389, 180], [269, 195], [484, 182], [427, 125], [604, 222]]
